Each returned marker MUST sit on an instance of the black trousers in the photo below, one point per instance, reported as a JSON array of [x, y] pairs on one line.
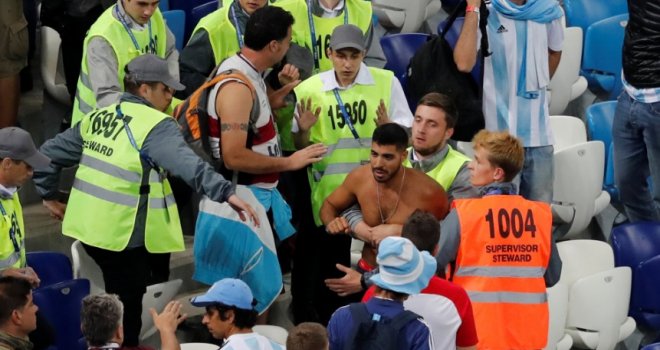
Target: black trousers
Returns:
[[128, 273]]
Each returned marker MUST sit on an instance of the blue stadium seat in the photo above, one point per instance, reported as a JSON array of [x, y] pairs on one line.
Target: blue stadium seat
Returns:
[[599, 125], [398, 50], [583, 13], [176, 21], [452, 37], [200, 11], [51, 267], [601, 60], [654, 346], [637, 245], [187, 6], [60, 304], [164, 5]]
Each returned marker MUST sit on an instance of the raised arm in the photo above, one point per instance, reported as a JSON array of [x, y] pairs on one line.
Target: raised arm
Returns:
[[465, 52]]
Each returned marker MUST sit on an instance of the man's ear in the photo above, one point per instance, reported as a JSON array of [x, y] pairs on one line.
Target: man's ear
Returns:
[[449, 133], [16, 317], [499, 174], [328, 52]]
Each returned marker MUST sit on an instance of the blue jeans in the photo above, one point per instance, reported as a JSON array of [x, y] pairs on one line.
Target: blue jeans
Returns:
[[636, 138], [536, 177]]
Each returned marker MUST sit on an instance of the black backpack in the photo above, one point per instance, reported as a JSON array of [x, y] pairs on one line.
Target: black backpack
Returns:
[[432, 69], [381, 334]]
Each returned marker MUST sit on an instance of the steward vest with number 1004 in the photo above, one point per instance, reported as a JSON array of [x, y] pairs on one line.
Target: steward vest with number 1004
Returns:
[[503, 254], [345, 153], [111, 185], [114, 33]]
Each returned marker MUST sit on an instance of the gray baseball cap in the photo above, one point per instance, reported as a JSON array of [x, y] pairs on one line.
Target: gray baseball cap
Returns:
[[17, 144], [347, 36], [151, 68]]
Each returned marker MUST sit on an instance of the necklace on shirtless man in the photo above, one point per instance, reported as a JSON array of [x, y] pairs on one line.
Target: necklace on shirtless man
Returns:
[[383, 219]]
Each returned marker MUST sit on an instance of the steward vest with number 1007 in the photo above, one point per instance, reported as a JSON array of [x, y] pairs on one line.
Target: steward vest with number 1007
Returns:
[[111, 185], [116, 36], [503, 254], [345, 153]]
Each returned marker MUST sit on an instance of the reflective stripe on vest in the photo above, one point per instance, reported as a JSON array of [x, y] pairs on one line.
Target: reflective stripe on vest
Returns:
[[221, 31], [345, 152], [12, 221], [359, 13], [503, 254], [445, 172], [114, 33], [111, 187]]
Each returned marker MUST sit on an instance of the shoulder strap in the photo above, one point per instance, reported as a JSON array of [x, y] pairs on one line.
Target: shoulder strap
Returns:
[[359, 312], [401, 320]]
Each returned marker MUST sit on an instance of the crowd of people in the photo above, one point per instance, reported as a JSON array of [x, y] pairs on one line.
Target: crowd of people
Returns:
[[304, 141]]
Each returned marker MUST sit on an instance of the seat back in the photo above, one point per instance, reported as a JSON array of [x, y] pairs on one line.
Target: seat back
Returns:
[[157, 296], [51, 267], [558, 307], [567, 131], [200, 11], [60, 304], [187, 6], [577, 182], [404, 16], [176, 21], [164, 5], [399, 49], [582, 13], [600, 117], [85, 267], [583, 257], [601, 62], [568, 71], [52, 70], [599, 303], [637, 245], [274, 333], [654, 346]]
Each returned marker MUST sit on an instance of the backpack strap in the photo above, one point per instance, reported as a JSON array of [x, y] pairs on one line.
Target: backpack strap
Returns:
[[359, 312], [401, 320]]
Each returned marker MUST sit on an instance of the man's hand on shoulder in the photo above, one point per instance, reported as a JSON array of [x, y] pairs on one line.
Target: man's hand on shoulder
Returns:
[[25, 273]]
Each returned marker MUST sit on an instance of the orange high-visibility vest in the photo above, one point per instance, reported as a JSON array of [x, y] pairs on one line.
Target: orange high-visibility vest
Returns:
[[503, 254]]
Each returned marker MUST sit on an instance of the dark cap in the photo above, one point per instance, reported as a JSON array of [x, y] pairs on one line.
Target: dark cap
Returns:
[[347, 36], [17, 144], [151, 68]]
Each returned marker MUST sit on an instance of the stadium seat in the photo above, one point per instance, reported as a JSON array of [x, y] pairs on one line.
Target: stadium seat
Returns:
[[199, 12], [51, 267], [465, 148], [452, 37], [85, 267], [637, 245], [577, 187], [274, 333], [176, 21], [52, 70], [598, 294], [583, 13], [654, 346], [567, 131], [157, 296], [599, 124], [198, 346], [398, 50], [356, 251], [60, 304], [404, 16], [164, 5], [187, 6], [601, 62], [566, 84], [558, 306]]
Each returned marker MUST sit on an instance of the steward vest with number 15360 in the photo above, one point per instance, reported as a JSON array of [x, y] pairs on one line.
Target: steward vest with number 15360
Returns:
[[503, 254], [150, 40], [111, 185], [345, 152]]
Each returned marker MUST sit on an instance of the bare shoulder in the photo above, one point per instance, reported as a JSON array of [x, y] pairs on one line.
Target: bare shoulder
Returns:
[[358, 176]]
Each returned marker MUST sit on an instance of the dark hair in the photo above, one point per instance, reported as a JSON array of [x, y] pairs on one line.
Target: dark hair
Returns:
[[423, 230], [100, 317], [242, 318], [307, 336], [265, 25], [444, 102], [391, 134], [393, 294], [14, 294]]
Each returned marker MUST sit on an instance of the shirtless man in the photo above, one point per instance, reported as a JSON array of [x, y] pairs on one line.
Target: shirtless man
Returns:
[[394, 193]]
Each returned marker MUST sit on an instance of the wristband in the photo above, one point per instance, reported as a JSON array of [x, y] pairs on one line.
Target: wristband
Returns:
[[472, 8]]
